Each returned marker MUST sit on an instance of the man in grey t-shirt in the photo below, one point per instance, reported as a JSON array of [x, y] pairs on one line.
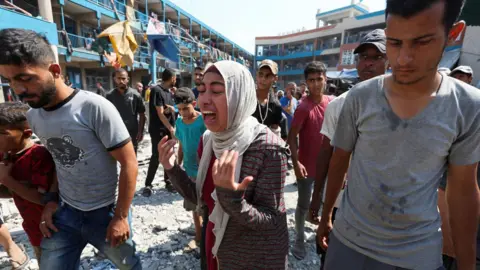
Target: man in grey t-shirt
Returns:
[[399, 133], [86, 137]]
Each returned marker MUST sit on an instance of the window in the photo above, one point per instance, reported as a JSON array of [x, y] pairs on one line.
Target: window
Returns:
[[348, 58]]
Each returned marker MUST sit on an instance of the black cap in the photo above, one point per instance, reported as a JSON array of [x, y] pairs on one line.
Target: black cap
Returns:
[[376, 38], [184, 95]]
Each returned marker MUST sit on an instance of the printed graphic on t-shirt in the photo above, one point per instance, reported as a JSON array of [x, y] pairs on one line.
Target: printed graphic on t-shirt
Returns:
[[64, 151]]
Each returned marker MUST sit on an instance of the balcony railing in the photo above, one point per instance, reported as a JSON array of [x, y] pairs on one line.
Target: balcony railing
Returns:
[[78, 42], [28, 7], [331, 44], [141, 16], [121, 8], [142, 55]]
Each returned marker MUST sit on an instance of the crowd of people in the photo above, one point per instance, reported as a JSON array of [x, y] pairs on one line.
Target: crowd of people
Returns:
[[387, 170]]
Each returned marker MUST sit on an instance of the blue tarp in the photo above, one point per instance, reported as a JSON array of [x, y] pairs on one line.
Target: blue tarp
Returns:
[[165, 45]]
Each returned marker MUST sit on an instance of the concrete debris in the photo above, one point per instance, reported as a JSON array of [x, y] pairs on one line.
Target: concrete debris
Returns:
[[162, 229]]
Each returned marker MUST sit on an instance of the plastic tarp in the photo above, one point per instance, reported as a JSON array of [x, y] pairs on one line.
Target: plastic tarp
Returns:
[[450, 58], [162, 42]]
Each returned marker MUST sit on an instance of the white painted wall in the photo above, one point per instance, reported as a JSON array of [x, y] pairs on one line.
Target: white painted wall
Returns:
[[348, 23]]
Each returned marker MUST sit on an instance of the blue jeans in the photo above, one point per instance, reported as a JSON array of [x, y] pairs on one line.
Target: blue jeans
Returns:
[[78, 228]]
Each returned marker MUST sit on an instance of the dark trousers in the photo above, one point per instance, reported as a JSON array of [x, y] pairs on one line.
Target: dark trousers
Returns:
[[323, 253], [133, 137], [203, 254], [156, 136]]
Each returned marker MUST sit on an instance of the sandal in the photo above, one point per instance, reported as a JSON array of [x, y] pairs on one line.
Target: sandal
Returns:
[[25, 263]]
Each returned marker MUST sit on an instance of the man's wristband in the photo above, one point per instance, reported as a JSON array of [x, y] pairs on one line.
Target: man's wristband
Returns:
[[50, 197]]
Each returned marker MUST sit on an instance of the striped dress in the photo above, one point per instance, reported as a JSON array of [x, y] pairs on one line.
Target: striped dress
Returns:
[[257, 235]]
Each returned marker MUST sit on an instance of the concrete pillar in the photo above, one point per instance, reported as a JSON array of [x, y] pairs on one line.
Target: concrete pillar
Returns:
[[45, 8], [83, 76], [153, 66]]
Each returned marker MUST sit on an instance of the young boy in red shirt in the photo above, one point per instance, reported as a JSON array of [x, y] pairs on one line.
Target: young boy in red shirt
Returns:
[[27, 170]]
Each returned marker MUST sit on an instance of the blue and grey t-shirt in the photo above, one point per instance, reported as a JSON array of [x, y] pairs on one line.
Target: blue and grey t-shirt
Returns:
[[79, 133], [389, 208]]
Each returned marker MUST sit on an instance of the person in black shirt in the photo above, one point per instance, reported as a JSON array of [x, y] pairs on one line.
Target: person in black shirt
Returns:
[[162, 122], [269, 110], [129, 104], [198, 76]]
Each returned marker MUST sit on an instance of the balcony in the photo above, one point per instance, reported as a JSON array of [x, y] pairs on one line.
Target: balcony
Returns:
[[329, 45], [78, 42], [121, 8], [142, 55], [12, 19]]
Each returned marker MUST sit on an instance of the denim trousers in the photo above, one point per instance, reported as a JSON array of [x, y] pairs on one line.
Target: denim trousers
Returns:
[[78, 228]]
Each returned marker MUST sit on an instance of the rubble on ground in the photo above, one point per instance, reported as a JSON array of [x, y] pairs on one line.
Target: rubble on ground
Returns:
[[162, 229]]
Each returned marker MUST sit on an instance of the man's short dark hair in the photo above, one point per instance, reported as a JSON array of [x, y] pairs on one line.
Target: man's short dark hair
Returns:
[[22, 47], [184, 95], [409, 8], [167, 75], [118, 71], [315, 67], [199, 68], [14, 115]]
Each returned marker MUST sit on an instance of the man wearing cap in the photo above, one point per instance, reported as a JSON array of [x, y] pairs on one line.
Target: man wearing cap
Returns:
[[463, 73], [269, 110], [371, 62]]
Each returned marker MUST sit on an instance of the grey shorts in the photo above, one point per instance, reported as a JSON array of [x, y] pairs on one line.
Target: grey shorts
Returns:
[[339, 256]]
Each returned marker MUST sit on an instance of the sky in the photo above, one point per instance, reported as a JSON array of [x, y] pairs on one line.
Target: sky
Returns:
[[243, 20]]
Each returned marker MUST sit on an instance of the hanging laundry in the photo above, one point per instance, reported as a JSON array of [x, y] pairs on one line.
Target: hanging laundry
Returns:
[[123, 42]]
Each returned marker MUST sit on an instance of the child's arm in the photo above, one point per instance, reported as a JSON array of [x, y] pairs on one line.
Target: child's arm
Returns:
[[27, 193]]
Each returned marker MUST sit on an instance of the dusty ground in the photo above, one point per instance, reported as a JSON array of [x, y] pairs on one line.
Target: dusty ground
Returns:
[[163, 213]]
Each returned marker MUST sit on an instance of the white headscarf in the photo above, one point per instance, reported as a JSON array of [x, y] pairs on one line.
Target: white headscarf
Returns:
[[242, 129]]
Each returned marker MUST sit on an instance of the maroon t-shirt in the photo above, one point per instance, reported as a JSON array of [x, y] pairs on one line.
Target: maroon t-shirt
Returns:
[[309, 118], [33, 167]]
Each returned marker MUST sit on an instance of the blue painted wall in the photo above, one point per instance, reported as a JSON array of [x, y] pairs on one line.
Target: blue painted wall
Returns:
[[10, 19]]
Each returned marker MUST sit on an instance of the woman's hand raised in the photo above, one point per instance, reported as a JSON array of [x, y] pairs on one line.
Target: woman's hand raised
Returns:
[[166, 153], [224, 172]]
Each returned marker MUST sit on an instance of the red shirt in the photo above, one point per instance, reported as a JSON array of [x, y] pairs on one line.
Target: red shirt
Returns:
[[33, 167], [208, 188], [309, 118]]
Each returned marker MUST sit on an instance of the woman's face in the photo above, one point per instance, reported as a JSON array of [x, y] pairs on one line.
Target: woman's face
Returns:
[[213, 102]]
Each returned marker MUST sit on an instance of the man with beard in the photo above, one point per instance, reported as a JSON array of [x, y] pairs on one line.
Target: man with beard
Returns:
[[86, 137], [371, 62], [129, 104], [162, 122], [405, 130]]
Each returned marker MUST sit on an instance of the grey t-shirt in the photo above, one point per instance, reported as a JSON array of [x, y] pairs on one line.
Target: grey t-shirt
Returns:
[[79, 133], [389, 209]]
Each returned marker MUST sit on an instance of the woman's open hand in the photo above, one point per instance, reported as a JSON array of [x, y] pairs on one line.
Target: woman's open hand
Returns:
[[166, 153], [224, 172]]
